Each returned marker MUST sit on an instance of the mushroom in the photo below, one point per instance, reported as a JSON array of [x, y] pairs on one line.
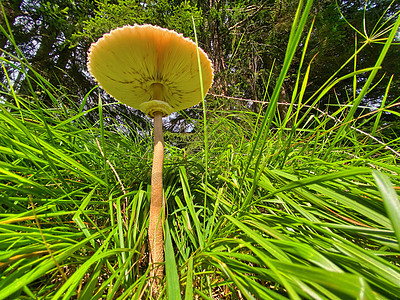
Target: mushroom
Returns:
[[155, 70]]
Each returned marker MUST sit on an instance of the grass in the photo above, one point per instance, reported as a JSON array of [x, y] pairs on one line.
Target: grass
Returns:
[[302, 211]]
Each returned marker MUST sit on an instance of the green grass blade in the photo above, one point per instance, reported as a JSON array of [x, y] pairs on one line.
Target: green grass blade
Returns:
[[171, 272], [189, 280], [390, 199]]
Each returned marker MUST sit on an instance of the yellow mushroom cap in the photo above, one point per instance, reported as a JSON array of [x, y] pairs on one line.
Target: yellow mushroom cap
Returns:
[[150, 68]]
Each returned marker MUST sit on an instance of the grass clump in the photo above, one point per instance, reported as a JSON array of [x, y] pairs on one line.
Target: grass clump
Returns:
[[295, 206]]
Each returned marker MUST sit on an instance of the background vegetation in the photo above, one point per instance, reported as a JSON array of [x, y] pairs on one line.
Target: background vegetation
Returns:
[[288, 190]]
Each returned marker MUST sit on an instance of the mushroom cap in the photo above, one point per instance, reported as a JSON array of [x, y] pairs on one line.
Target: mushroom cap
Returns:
[[150, 68]]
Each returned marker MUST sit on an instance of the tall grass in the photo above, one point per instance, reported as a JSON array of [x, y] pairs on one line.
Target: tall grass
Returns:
[[309, 211]]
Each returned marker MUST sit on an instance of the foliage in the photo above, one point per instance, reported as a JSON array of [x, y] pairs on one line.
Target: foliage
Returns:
[[168, 14], [246, 41], [299, 211]]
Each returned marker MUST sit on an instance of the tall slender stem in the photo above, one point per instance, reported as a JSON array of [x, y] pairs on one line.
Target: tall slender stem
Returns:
[[156, 219]]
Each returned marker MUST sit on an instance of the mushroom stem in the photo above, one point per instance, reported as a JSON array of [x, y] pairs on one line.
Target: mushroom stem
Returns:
[[156, 218], [157, 91]]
